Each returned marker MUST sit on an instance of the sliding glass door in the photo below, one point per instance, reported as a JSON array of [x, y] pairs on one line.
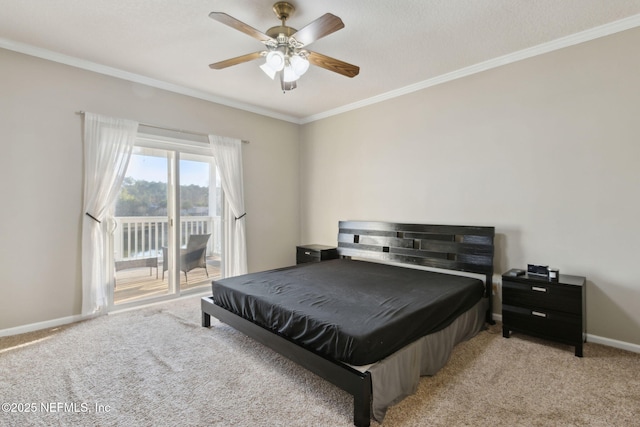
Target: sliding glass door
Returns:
[[200, 226], [166, 233], [141, 234]]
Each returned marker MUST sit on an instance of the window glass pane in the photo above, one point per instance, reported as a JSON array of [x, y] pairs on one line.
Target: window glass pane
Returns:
[[199, 222], [140, 236]]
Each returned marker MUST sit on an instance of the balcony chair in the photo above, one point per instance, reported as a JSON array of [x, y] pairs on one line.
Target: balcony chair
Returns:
[[193, 256]]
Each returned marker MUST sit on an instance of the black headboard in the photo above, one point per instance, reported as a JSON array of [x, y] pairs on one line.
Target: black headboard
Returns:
[[451, 247]]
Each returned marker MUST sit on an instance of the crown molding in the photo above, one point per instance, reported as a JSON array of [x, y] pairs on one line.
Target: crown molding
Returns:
[[574, 39], [137, 78]]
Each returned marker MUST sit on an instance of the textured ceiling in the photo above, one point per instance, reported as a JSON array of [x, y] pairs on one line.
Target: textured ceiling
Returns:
[[397, 44]]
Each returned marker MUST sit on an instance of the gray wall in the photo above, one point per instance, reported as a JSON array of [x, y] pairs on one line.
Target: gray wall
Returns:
[[547, 150], [41, 177]]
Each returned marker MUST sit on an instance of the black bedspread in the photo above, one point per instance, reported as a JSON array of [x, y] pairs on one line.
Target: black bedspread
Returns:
[[354, 311]]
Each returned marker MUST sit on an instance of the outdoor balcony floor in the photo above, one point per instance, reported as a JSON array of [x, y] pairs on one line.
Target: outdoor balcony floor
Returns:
[[138, 283]]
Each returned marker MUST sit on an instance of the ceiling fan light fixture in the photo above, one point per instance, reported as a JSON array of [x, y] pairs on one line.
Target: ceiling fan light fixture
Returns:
[[289, 74], [275, 60], [268, 70], [288, 86], [299, 64]]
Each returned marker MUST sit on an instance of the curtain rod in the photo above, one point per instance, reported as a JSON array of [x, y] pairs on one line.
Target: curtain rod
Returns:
[[147, 125]]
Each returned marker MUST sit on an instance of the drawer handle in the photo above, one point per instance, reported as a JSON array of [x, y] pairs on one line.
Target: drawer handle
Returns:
[[539, 314], [307, 253], [538, 289]]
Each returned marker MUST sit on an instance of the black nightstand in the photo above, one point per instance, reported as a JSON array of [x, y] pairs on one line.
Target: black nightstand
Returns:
[[315, 253], [553, 310]]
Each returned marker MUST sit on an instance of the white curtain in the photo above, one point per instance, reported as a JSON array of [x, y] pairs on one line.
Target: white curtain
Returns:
[[108, 144], [228, 156]]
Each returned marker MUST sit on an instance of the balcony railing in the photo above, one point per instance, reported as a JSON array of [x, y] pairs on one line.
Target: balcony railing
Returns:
[[144, 236]]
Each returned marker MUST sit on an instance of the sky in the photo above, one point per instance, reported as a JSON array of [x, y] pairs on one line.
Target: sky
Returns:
[[151, 168]]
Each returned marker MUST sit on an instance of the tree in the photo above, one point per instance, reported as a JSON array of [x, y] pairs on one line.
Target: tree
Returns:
[[144, 198]]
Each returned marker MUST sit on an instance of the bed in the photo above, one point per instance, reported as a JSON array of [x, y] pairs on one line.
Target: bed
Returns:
[[366, 322]]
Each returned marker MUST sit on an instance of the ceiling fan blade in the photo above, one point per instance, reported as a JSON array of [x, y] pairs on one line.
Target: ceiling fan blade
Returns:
[[240, 26], [235, 61], [333, 64], [319, 28]]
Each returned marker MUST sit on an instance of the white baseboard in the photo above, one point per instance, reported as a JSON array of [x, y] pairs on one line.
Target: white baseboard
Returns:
[[48, 324], [622, 345]]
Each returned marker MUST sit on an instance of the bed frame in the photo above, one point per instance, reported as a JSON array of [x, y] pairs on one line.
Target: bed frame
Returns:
[[460, 248]]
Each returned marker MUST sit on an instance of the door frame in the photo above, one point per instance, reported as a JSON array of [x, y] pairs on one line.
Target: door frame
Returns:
[[174, 147]]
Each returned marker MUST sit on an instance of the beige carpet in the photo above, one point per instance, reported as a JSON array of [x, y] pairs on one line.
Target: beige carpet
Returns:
[[157, 367]]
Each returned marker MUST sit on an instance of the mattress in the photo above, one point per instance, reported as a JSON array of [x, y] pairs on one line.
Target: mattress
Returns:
[[353, 311]]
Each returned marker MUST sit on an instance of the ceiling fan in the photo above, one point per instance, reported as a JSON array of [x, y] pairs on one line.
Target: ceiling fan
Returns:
[[286, 51]]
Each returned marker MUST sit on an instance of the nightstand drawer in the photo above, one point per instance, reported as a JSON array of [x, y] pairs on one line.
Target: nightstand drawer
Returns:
[[315, 253], [544, 323], [544, 295], [306, 255]]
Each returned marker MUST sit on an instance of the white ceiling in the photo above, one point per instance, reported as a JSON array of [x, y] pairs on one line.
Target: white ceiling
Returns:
[[399, 45]]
